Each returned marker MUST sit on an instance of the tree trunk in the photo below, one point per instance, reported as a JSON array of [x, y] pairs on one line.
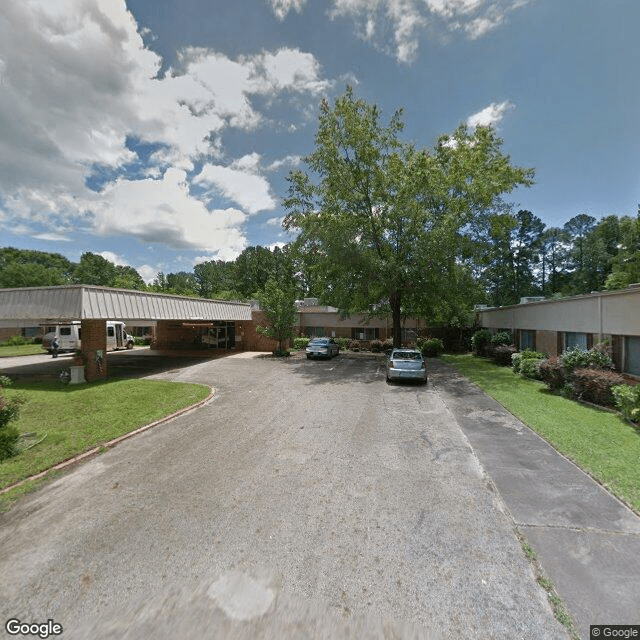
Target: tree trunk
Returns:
[[396, 319]]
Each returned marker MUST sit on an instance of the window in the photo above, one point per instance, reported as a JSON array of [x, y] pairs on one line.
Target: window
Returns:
[[527, 339], [315, 332], [365, 333], [110, 332], [65, 331], [573, 340], [632, 355]]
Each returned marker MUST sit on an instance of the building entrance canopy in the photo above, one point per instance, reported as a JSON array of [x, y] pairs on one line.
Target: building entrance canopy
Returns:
[[50, 305]]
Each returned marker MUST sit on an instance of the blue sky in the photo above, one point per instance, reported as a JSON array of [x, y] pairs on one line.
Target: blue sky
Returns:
[[159, 133]]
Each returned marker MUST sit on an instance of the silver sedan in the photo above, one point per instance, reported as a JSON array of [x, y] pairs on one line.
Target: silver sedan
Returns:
[[322, 347], [406, 364]]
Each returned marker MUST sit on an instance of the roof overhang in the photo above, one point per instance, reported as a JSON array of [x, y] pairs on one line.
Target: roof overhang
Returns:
[[49, 305]]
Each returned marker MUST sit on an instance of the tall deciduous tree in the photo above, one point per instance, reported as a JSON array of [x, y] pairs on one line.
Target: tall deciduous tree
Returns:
[[381, 222], [277, 302]]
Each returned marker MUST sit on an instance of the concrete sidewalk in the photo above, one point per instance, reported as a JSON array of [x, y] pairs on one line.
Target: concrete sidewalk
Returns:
[[587, 541]]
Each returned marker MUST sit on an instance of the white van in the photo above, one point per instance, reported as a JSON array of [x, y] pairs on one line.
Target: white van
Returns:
[[68, 335]]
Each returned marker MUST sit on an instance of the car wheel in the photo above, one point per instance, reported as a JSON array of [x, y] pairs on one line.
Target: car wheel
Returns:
[[308, 356]]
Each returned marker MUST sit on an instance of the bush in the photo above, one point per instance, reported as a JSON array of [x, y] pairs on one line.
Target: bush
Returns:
[[502, 354], [627, 400], [9, 410], [480, 340], [594, 385], [353, 345], [343, 343], [516, 360], [14, 341], [552, 373], [377, 346], [432, 347], [530, 368], [300, 343], [502, 337], [579, 358]]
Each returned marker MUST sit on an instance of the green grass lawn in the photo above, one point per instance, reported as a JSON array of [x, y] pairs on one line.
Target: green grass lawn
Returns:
[[75, 418], [21, 350], [599, 441]]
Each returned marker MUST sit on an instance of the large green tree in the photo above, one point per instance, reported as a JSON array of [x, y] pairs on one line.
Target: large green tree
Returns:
[[277, 301], [382, 223]]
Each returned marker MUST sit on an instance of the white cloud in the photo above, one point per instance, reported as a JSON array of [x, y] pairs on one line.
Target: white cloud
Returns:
[[239, 182], [407, 19], [77, 82], [491, 115], [113, 257], [147, 272], [275, 222], [164, 211], [288, 161], [282, 7]]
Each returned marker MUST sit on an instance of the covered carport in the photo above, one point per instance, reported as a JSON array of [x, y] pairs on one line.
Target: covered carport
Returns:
[[182, 323]]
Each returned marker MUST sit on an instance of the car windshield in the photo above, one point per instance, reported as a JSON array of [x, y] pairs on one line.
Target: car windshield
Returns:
[[319, 341], [406, 355]]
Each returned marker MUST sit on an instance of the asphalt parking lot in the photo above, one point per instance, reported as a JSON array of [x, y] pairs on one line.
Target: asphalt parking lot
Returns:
[[308, 499]]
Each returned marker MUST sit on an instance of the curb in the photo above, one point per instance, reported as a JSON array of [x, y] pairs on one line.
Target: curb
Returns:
[[112, 443]]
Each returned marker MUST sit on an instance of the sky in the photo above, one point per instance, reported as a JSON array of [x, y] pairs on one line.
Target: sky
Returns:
[[159, 133]]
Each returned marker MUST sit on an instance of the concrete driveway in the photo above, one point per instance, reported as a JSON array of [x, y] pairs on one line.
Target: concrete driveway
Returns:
[[308, 500]]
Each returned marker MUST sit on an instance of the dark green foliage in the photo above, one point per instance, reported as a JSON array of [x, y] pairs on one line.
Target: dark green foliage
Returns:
[[431, 347], [278, 305], [343, 342], [9, 410], [502, 337], [480, 340], [595, 385]]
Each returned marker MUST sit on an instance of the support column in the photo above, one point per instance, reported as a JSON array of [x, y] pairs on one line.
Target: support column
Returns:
[[94, 348]]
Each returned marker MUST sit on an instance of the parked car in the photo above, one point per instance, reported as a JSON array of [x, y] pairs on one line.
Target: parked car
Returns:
[[406, 364], [322, 348]]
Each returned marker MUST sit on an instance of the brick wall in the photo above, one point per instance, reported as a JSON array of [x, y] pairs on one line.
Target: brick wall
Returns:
[[94, 338], [254, 341]]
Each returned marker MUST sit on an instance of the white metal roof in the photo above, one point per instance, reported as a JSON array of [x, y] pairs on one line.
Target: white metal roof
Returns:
[[78, 302]]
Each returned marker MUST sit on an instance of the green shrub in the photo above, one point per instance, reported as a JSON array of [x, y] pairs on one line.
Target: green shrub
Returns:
[[300, 342], [501, 354], [627, 400], [594, 385], [552, 373], [9, 410], [343, 343], [14, 341], [530, 368], [516, 360], [377, 346], [480, 340], [579, 358], [432, 347], [502, 337]]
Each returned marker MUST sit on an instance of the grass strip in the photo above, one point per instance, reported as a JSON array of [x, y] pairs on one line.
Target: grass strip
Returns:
[[73, 419], [21, 350], [599, 441]]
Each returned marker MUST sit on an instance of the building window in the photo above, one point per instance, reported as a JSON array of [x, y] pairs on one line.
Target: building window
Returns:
[[365, 333], [527, 339], [632, 355], [575, 340], [315, 332]]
